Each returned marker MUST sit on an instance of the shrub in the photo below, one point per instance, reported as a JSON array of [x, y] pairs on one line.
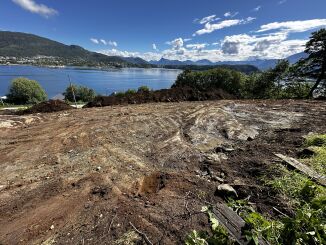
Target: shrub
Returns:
[[82, 93], [130, 91], [26, 91], [143, 89], [219, 78]]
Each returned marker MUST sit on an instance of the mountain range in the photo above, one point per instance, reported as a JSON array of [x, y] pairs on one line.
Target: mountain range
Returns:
[[259, 63], [23, 45]]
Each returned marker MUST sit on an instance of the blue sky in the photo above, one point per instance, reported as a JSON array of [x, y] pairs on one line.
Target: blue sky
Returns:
[[174, 29]]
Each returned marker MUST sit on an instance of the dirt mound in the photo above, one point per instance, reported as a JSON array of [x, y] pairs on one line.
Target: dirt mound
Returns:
[[164, 95], [48, 106]]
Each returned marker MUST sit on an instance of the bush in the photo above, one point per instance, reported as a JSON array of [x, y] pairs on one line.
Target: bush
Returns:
[[220, 78], [82, 93], [143, 89], [130, 91], [25, 91]]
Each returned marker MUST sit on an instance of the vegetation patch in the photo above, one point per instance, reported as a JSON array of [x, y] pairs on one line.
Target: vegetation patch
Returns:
[[317, 143]]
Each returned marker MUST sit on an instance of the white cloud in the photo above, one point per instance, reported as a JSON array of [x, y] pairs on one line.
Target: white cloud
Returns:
[[257, 9], [209, 28], [271, 46], [227, 14], [282, 1], [176, 44], [197, 46], [94, 40], [154, 47], [208, 19], [146, 56], [32, 6], [103, 41], [113, 43], [271, 41], [230, 14], [294, 26]]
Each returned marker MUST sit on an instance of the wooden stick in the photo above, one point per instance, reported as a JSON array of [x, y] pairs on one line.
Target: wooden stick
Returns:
[[320, 179], [144, 236]]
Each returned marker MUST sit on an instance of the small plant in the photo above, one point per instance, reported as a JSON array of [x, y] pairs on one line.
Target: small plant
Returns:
[[318, 161], [316, 140], [82, 94], [308, 226], [218, 237], [256, 224], [143, 89]]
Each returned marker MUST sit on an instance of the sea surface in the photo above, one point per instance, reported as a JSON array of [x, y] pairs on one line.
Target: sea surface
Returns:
[[105, 82]]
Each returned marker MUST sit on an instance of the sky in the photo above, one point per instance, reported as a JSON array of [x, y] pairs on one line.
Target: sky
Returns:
[[218, 30]]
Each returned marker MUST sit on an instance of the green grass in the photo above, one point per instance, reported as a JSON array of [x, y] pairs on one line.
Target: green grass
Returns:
[[306, 198], [317, 143], [316, 140]]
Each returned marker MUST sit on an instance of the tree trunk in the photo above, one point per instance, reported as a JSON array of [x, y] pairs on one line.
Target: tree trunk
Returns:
[[320, 78]]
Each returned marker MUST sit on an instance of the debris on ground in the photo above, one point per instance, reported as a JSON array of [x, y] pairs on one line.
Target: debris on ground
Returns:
[[48, 106]]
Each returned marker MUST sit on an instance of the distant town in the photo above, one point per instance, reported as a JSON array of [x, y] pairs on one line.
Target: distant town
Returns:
[[57, 62]]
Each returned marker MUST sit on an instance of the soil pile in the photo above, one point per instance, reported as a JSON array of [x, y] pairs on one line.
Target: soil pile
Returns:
[[164, 95], [48, 106]]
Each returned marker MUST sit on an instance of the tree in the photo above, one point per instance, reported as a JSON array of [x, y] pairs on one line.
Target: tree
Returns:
[[25, 91], [82, 93], [218, 78], [314, 67], [268, 84]]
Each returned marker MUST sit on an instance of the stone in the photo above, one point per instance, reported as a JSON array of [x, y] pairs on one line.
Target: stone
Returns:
[[226, 190]]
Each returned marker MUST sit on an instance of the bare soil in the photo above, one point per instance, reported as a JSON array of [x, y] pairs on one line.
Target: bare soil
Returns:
[[86, 176], [177, 94], [48, 106]]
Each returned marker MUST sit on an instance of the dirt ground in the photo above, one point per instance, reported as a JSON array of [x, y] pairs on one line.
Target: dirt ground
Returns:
[[91, 176]]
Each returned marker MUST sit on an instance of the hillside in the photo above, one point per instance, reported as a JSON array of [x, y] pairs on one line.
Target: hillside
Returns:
[[247, 69], [261, 64], [22, 45]]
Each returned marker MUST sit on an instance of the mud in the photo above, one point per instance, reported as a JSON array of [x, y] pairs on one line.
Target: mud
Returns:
[[82, 176], [164, 95], [47, 106]]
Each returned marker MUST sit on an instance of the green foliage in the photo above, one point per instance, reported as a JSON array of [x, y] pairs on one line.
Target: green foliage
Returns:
[[219, 78], [268, 84], [275, 83], [316, 140], [308, 224], [143, 89], [296, 90], [130, 92], [257, 226], [314, 66], [218, 237], [120, 94], [25, 91], [317, 143], [82, 93]]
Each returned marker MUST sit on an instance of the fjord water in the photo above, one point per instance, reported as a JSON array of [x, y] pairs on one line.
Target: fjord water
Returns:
[[55, 80]]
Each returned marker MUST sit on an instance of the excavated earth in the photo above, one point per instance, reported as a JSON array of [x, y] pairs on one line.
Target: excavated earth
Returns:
[[94, 176]]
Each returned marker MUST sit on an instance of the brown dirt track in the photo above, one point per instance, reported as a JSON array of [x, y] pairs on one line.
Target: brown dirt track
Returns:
[[81, 176]]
